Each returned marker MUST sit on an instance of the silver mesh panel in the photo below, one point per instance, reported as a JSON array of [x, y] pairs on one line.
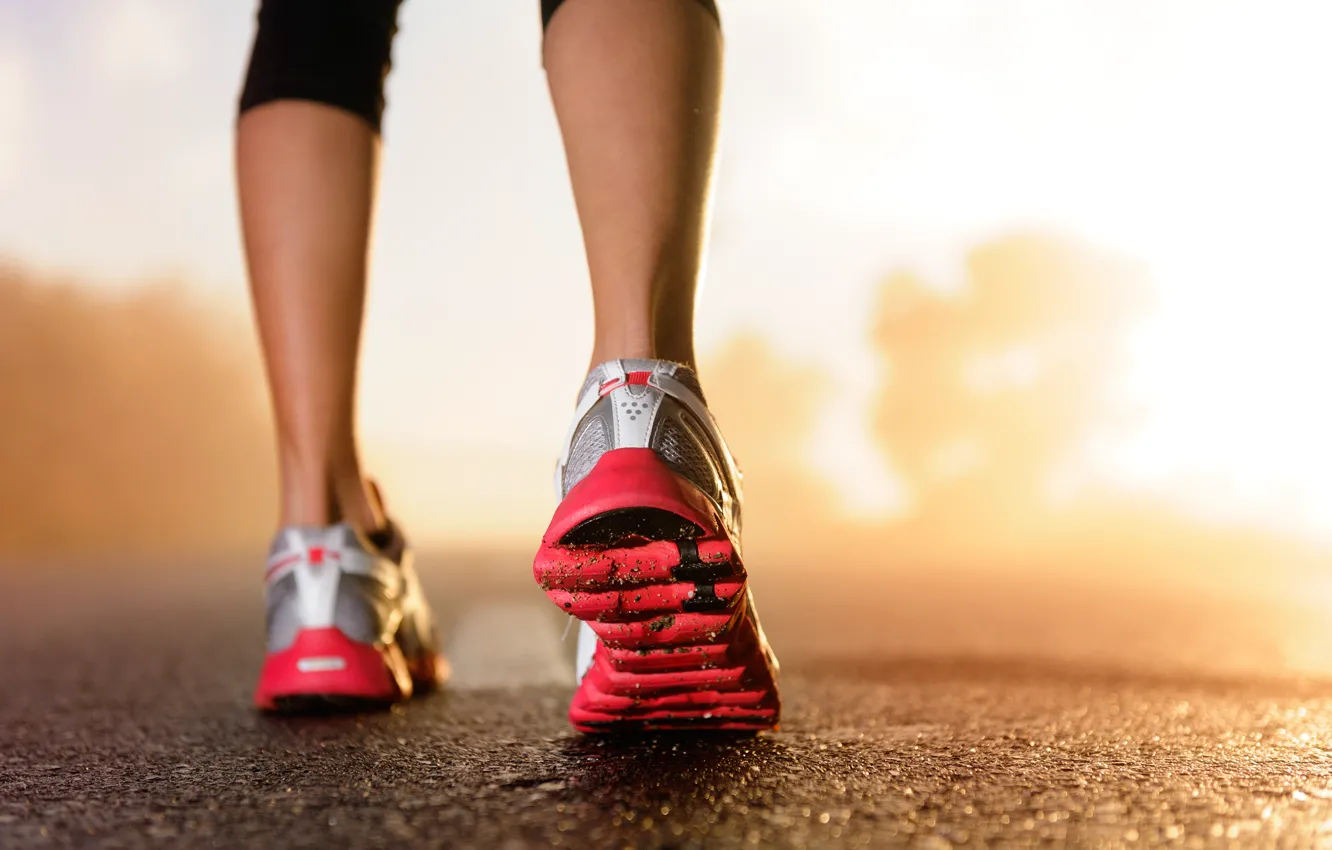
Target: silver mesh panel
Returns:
[[278, 546], [686, 376], [355, 613], [590, 443], [284, 618], [350, 540], [686, 454]]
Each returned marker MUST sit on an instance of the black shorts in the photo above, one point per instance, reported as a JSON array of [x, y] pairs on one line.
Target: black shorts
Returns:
[[336, 52]]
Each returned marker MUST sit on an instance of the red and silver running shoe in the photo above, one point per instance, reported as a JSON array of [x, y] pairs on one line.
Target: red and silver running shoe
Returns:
[[645, 550], [348, 625]]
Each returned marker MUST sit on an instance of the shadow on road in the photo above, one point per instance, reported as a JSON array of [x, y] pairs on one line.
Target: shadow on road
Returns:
[[627, 775]]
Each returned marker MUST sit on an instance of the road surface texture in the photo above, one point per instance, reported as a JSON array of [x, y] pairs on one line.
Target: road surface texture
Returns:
[[920, 711]]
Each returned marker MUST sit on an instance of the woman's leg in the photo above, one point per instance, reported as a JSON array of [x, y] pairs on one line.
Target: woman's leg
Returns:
[[637, 89], [306, 174], [306, 151], [646, 479], [307, 146]]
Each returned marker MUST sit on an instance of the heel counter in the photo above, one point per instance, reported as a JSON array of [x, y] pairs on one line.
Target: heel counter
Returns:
[[624, 417], [632, 478], [633, 409], [302, 591]]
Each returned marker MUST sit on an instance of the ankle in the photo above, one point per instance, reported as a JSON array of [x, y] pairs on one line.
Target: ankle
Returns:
[[609, 348], [326, 494]]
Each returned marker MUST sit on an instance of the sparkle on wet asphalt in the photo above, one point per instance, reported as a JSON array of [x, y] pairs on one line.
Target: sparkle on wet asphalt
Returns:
[[135, 730]]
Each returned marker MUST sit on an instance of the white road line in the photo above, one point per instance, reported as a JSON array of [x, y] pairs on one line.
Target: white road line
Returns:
[[499, 645]]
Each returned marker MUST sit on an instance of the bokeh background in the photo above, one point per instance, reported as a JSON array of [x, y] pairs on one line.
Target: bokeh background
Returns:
[[995, 288]]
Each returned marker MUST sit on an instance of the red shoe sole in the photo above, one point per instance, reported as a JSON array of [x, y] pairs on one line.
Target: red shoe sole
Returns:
[[324, 668], [680, 646]]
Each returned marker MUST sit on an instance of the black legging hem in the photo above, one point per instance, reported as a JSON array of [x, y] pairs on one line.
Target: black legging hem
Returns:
[[335, 52]]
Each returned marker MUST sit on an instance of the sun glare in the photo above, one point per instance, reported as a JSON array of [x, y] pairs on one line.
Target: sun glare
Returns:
[[1229, 374], [861, 139], [1211, 173]]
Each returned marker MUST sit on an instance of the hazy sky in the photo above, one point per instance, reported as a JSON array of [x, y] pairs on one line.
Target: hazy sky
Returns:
[[860, 136]]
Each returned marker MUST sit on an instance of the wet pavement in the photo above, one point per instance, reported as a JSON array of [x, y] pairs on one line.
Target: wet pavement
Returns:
[[923, 713]]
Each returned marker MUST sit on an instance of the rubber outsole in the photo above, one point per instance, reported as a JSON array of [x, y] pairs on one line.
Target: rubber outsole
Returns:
[[680, 646], [324, 672]]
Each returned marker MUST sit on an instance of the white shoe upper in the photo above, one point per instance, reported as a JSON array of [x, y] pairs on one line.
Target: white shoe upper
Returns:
[[654, 404], [334, 577]]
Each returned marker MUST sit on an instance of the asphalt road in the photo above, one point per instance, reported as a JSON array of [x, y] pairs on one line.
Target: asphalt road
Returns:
[[920, 711]]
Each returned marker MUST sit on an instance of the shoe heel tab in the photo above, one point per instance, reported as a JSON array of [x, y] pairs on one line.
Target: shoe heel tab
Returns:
[[297, 538]]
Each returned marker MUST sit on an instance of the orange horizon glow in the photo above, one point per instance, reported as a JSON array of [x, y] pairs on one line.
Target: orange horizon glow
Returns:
[[864, 143]]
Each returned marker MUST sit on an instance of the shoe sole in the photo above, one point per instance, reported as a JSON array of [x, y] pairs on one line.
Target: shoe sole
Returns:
[[324, 671], [680, 646]]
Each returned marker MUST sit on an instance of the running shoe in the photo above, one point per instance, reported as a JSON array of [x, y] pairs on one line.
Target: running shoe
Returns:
[[644, 548], [348, 625]]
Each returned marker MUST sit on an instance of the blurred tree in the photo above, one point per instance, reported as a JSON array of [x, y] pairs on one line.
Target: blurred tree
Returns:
[[991, 387], [767, 406], [132, 422]]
